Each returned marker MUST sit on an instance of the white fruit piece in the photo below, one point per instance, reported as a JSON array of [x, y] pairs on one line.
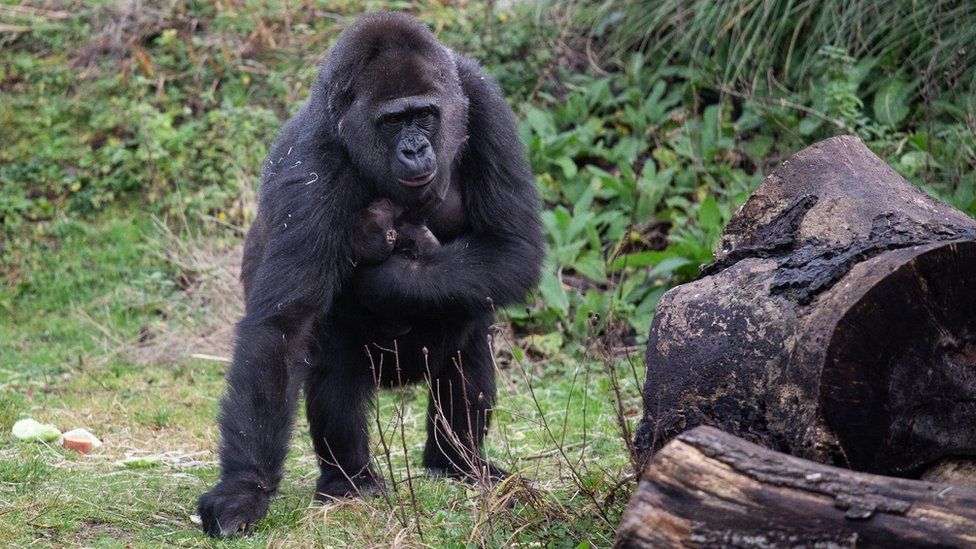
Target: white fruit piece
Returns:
[[29, 430]]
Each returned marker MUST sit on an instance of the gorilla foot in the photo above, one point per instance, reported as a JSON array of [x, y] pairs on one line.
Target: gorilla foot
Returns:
[[232, 507], [482, 472], [337, 486]]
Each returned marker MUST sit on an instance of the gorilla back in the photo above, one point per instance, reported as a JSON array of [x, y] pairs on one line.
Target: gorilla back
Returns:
[[393, 114]]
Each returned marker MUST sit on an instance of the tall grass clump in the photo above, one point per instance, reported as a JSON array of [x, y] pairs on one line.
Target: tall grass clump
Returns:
[[772, 43]]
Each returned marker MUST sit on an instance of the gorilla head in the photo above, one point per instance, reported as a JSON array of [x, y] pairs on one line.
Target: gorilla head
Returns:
[[395, 101]]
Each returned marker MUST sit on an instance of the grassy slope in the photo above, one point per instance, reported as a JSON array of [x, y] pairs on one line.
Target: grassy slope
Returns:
[[79, 290]]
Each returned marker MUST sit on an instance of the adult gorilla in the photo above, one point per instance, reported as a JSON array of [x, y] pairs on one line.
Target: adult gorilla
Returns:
[[393, 114]]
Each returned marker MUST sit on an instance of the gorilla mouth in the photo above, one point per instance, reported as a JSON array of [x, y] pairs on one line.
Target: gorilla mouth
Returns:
[[418, 181]]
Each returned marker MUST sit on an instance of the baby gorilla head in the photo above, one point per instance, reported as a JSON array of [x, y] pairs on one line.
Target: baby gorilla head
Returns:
[[375, 235], [382, 229]]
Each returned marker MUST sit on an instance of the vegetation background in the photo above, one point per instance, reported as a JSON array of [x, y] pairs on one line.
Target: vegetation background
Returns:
[[132, 135]]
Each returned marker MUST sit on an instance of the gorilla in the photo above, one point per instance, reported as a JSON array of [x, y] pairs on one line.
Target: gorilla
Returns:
[[399, 134]]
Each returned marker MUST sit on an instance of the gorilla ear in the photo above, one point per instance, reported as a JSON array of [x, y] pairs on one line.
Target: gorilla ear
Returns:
[[339, 99]]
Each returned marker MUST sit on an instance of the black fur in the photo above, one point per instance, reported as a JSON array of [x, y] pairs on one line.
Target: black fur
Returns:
[[313, 319]]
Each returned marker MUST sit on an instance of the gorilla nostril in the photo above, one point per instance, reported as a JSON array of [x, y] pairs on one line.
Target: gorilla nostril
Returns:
[[413, 148]]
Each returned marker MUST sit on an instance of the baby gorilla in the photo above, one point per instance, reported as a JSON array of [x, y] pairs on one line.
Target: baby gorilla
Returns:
[[382, 230]]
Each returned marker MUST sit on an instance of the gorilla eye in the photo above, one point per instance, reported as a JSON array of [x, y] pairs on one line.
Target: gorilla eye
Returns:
[[425, 114]]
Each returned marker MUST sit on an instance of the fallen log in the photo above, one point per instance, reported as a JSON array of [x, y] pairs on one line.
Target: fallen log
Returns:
[[837, 323], [707, 488]]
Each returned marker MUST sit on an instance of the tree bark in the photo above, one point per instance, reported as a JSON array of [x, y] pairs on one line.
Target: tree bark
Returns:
[[837, 323], [707, 488]]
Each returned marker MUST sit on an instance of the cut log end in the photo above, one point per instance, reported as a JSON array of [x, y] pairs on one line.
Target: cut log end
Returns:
[[899, 373]]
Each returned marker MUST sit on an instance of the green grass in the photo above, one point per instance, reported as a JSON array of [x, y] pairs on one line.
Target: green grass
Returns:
[[749, 41]]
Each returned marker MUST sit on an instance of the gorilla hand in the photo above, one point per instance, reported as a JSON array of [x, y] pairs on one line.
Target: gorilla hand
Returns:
[[464, 278], [376, 284], [232, 507]]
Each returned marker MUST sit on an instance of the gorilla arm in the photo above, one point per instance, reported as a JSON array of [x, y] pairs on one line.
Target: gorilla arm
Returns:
[[465, 277], [291, 273], [498, 261]]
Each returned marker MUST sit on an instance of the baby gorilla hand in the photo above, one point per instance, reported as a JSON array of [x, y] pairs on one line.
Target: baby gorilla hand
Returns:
[[414, 240], [232, 507]]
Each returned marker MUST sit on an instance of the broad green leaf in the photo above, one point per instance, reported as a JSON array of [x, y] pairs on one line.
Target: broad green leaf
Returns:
[[758, 147], [708, 215], [566, 254], [642, 317], [668, 266], [585, 200], [540, 121], [592, 266], [810, 124], [568, 166], [891, 102], [710, 132], [553, 293], [578, 223], [639, 259], [562, 218], [651, 186]]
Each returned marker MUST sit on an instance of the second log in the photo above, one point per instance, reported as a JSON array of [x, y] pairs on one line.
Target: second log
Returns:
[[707, 488]]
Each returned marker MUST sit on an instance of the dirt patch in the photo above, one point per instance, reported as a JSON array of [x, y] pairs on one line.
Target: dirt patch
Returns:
[[200, 319], [121, 30], [93, 530]]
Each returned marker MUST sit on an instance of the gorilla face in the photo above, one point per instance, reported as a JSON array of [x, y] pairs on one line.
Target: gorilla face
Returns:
[[408, 127], [400, 110]]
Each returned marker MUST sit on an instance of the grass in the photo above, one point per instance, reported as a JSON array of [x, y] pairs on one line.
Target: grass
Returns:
[[72, 357], [776, 43]]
